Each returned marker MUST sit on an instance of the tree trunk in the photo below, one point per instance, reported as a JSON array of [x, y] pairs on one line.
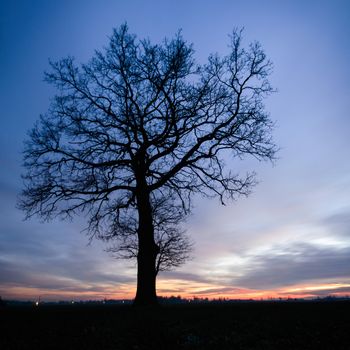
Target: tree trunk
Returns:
[[147, 253]]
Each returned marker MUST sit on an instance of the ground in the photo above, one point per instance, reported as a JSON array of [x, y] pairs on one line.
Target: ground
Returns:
[[247, 325]]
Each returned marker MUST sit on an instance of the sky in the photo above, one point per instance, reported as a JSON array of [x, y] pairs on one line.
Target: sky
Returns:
[[289, 238]]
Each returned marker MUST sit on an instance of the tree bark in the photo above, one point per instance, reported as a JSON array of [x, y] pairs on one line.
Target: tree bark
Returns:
[[147, 253]]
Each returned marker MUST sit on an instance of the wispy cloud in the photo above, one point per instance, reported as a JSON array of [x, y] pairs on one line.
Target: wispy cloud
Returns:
[[295, 264]]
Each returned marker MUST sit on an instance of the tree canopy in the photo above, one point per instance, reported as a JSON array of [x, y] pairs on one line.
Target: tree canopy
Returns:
[[142, 124]]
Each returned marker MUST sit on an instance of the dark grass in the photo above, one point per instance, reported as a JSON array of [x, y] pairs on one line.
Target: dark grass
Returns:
[[258, 325]]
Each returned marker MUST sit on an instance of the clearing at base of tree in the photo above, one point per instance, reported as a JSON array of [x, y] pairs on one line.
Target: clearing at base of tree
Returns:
[[135, 132]]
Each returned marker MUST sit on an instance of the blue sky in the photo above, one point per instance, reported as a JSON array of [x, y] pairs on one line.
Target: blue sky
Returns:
[[291, 236]]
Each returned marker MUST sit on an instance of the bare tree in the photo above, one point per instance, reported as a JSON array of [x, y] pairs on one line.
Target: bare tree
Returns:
[[142, 122]]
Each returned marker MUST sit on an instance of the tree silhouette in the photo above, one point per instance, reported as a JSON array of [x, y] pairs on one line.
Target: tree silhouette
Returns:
[[141, 123]]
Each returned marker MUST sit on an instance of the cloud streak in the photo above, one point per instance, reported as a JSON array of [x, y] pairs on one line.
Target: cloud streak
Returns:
[[299, 263]]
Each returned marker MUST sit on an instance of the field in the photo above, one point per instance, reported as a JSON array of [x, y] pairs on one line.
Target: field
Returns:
[[258, 325]]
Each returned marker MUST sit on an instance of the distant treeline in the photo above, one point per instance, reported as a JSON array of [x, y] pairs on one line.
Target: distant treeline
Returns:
[[169, 300]]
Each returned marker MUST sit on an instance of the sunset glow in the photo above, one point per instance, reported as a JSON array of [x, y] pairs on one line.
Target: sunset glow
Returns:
[[188, 290]]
